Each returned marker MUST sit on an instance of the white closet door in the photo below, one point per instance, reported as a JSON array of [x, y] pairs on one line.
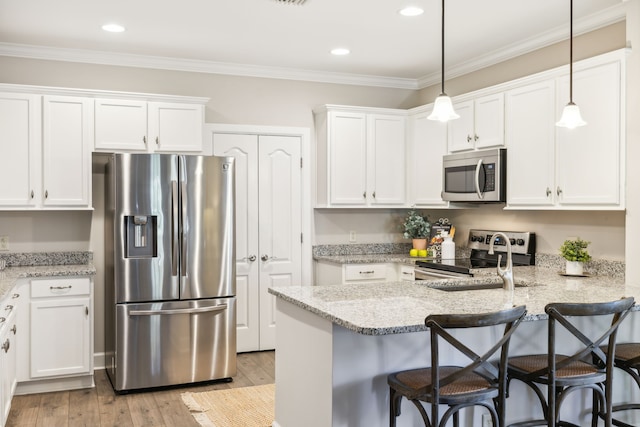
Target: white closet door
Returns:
[[280, 224], [244, 148]]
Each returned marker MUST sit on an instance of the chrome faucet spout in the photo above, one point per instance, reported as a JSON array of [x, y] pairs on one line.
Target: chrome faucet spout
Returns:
[[506, 274]]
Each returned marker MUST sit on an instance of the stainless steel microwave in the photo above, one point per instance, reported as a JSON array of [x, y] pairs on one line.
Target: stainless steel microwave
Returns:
[[475, 176]]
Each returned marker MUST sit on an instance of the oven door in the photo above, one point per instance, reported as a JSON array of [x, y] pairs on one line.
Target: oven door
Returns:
[[431, 274]]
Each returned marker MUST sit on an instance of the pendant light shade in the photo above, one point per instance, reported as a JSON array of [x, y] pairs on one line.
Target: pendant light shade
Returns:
[[443, 108], [571, 117]]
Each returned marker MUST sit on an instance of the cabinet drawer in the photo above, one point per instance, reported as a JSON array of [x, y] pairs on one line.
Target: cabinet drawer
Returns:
[[60, 287], [365, 271], [407, 273]]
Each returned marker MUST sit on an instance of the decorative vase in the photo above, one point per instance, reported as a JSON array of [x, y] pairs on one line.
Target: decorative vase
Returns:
[[419, 244], [574, 268]]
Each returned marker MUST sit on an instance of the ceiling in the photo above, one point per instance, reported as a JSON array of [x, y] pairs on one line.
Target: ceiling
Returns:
[[273, 38]]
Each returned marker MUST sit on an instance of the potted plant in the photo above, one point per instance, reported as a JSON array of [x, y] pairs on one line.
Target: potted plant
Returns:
[[575, 253], [417, 228]]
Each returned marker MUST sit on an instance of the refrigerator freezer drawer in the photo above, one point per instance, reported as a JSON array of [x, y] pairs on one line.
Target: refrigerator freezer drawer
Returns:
[[171, 343]]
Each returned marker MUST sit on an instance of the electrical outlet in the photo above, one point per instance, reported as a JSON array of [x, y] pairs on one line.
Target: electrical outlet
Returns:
[[4, 243], [486, 420], [352, 236]]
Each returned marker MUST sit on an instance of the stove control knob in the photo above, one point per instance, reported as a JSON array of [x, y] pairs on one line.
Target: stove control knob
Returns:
[[512, 241], [520, 242], [477, 239]]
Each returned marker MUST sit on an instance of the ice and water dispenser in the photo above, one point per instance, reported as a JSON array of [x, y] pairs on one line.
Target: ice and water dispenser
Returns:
[[141, 239]]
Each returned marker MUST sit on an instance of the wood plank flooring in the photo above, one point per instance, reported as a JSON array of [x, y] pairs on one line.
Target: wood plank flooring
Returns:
[[100, 406]]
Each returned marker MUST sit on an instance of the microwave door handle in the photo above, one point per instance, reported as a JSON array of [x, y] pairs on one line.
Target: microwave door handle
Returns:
[[478, 169], [174, 228]]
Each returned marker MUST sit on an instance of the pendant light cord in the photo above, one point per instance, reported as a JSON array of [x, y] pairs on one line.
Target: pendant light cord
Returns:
[[442, 40], [570, 51]]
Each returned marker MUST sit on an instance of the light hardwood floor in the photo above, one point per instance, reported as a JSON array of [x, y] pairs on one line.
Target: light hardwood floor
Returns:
[[100, 406]]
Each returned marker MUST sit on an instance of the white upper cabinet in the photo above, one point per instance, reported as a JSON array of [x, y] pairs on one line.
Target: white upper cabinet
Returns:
[[121, 125], [481, 123], [559, 168], [138, 125], [529, 132], [589, 162], [360, 158], [426, 144], [19, 149], [67, 131]]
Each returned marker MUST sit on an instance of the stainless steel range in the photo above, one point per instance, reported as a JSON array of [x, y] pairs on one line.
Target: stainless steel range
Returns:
[[523, 249]]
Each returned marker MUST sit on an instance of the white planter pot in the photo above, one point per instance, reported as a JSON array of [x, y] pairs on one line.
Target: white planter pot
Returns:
[[574, 268]]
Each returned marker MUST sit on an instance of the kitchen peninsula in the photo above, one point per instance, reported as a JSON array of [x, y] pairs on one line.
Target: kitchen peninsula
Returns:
[[336, 344]]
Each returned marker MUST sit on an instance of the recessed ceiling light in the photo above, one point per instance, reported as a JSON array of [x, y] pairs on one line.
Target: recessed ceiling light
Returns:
[[411, 11], [113, 28], [340, 51]]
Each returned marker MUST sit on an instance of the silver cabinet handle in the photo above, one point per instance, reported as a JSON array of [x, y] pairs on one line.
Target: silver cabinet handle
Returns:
[[548, 192], [46, 194], [558, 191], [220, 307], [364, 195], [144, 140], [3, 319], [250, 258], [374, 194], [15, 296], [476, 137], [367, 272], [6, 345], [157, 141], [14, 329], [267, 258], [469, 138], [9, 308], [58, 288], [32, 194]]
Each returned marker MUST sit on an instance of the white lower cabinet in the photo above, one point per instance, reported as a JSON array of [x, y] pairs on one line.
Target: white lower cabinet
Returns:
[[56, 349], [328, 273], [8, 331]]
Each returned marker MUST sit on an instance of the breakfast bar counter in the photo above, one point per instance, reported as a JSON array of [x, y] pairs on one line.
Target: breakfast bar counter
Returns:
[[337, 344]]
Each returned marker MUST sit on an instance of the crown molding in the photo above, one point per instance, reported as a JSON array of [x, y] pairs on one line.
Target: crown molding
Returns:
[[601, 19], [590, 23], [199, 66]]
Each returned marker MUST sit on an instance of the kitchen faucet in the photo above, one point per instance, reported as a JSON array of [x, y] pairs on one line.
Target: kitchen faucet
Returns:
[[505, 274]]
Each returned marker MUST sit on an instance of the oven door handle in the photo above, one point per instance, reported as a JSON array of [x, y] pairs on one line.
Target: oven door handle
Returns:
[[478, 168]]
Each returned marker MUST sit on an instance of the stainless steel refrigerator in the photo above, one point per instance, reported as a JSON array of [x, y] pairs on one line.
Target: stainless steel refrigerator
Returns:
[[170, 270]]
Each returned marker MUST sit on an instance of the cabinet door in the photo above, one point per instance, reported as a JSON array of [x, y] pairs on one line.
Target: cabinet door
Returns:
[[347, 158], [489, 121], [66, 153], [19, 149], [530, 138], [386, 157], [589, 157], [60, 337], [427, 145], [244, 149], [120, 125], [175, 128], [461, 130]]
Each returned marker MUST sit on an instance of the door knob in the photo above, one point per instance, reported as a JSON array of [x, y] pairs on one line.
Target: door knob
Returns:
[[252, 258], [265, 257]]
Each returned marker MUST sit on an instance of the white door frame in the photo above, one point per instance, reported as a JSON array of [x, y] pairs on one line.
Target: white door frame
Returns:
[[306, 183]]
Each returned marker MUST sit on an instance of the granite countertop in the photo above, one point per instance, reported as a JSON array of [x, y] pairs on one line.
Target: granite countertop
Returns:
[[59, 268], [367, 259], [400, 307]]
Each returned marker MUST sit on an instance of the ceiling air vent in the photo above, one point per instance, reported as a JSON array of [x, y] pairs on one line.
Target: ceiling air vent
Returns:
[[291, 1]]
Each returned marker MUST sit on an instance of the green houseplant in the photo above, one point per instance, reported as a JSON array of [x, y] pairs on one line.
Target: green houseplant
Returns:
[[416, 227], [574, 251]]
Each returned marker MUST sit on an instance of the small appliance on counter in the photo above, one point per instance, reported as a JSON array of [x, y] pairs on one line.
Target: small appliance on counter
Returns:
[[523, 250]]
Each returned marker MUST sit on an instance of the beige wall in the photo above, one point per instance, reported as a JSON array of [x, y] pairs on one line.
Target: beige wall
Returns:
[[257, 101]]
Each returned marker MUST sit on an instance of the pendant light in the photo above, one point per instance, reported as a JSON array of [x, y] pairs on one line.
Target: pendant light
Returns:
[[443, 108], [571, 117]]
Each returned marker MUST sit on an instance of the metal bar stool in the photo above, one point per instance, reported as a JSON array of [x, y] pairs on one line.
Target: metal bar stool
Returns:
[[590, 367], [626, 358], [480, 382]]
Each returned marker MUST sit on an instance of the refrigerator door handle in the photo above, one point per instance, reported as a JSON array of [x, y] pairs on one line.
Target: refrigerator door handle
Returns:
[[174, 228], [184, 202], [218, 308]]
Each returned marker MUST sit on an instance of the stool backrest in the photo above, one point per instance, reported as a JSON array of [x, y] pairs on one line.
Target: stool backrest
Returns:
[[561, 314], [477, 363]]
